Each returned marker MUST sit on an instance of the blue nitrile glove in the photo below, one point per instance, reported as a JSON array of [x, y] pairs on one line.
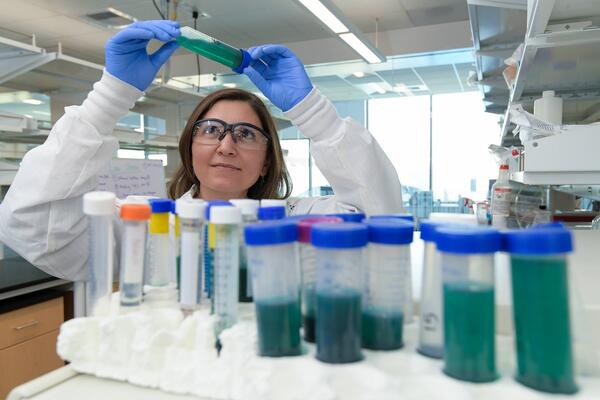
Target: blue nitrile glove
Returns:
[[126, 55], [283, 79]]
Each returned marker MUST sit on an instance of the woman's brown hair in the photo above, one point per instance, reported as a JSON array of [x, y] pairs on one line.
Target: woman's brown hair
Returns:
[[276, 184]]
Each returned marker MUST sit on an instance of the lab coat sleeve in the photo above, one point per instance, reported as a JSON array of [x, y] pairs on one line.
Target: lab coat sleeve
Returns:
[[41, 217], [362, 177]]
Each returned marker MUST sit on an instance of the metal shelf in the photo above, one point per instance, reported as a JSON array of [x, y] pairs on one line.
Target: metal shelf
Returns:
[[28, 67], [128, 139], [561, 52], [553, 178], [497, 27], [561, 56]]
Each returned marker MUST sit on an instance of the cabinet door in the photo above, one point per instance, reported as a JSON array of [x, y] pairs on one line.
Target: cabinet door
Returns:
[[28, 322], [28, 360]]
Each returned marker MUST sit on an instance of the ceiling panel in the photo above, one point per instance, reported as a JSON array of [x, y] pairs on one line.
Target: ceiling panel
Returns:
[[417, 4], [21, 10], [368, 78], [400, 76], [439, 79], [439, 14], [390, 14], [463, 73]]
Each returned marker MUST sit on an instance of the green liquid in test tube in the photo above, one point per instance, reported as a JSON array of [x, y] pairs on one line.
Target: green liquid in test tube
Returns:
[[279, 326], [213, 49], [469, 330], [542, 320]]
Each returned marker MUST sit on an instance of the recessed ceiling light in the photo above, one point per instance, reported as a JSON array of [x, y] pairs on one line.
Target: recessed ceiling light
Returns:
[[325, 15], [361, 48], [110, 18], [359, 74], [230, 85], [34, 102]]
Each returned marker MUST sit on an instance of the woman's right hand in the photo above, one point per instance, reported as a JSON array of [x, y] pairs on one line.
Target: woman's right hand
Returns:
[[126, 55]]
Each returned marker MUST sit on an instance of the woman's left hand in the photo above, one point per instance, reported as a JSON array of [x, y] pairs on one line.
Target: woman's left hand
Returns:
[[279, 75]]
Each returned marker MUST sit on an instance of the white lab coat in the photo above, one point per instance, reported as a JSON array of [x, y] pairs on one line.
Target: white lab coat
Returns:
[[41, 216]]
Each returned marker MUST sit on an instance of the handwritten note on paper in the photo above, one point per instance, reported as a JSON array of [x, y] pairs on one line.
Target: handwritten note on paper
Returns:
[[126, 177]]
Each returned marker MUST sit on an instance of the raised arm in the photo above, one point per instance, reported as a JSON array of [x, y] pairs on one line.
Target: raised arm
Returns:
[[41, 216], [361, 175]]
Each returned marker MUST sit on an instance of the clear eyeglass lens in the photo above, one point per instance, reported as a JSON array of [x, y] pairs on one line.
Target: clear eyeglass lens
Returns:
[[210, 132]]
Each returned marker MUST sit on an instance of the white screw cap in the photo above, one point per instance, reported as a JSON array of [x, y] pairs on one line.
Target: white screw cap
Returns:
[[190, 208], [225, 215], [273, 203], [99, 203], [248, 206]]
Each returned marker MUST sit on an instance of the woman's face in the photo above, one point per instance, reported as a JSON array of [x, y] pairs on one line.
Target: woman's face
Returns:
[[225, 171]]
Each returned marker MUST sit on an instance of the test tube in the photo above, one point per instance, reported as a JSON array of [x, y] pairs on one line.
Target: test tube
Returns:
[[227, 221], [249, 209], [135, 218], [158, 257], [408, 312], [271, 213], [209, 250], [340, 262], [350, 216], [271, 258], [431, 326], [175, 246], [540, 291], [387, 289], [213, 49], [191, 215], [467, 257], [100, 208], [308, 270]]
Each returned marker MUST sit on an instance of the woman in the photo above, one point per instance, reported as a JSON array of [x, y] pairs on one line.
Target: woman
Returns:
[[41, 217]]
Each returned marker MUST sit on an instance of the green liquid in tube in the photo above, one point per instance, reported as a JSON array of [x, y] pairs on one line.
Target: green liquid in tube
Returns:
[[209, 47], [338, 327], [278, 327], [542, 323], [382, 330], [469, 331]]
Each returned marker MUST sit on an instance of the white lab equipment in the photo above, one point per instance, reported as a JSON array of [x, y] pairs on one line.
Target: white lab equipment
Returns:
[[158, 256], [191, 218], [387, 284], [100, 208], [308, 271], [249, 209], [227, 222], [549, 108], [133, 248], [273, 264]]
